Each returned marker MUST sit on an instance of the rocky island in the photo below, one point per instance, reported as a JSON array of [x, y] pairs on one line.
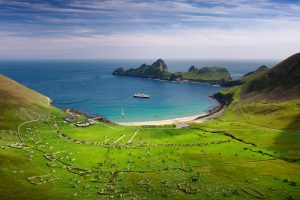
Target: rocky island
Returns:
[[159, 70]]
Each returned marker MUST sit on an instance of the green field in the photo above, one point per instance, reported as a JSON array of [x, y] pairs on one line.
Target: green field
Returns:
[[256, 156]]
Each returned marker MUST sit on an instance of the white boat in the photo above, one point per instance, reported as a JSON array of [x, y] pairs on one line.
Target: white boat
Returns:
[[122, 112], [141, 95]]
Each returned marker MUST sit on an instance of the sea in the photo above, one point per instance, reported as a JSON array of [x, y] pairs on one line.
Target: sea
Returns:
[[88, 86]]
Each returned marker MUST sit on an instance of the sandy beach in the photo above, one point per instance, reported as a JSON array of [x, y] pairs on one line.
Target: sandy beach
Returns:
[[190, 119]]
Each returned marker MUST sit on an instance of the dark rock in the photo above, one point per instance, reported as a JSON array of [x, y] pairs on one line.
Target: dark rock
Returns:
[[192, 68], [292, 183], [232, 83], [194, 179], [224, 99]]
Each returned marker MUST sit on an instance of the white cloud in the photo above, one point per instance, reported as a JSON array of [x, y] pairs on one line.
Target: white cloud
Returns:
[[169, 43], [225, 29]]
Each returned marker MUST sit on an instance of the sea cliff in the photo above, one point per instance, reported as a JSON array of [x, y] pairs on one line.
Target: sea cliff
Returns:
[[159, 70]]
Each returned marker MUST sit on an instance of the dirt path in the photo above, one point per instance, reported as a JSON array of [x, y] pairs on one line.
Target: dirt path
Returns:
[[120, 138], [135, 133]]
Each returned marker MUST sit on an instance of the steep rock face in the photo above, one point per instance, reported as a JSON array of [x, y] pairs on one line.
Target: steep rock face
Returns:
[[158, 70], [280, 82], [193, 69], [224, 99], [159, 65], [119, 71]]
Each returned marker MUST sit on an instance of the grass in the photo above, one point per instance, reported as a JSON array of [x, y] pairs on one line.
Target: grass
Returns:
[[249, 148], [203, 159], [208, 76], [19, 103], [271, 125]]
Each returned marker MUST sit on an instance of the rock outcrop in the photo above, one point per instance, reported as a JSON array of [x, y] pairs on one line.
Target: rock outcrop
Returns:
[[159, 70]]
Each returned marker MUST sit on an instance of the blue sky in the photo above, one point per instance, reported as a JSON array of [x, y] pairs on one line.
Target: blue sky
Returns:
[[242, 29]]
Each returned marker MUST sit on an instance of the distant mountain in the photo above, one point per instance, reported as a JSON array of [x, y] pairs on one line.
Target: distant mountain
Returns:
[[281, 82], [159, 70]]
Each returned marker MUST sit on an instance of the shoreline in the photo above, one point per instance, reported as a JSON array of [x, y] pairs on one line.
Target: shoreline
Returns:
[[202, 82], [214, 113], [181, 121], [215, 83], [211, 114]]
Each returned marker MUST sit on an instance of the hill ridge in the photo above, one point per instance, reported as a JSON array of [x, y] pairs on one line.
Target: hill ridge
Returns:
[[19, 103], [281, 82]]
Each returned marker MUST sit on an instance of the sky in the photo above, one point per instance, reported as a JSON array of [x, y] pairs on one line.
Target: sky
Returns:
[[137, 29]]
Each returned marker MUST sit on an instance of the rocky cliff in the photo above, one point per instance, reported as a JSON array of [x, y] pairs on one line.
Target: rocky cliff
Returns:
[[159, 70]]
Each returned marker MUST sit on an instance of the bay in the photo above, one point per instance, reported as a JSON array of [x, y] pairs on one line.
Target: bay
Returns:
[[88, 86]]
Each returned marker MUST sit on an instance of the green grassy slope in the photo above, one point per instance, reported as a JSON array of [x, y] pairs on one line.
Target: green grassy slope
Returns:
[[163, 162], [19, 103], [254, 117], [247, 77], [206, 74], [272, 125], [279, 83]]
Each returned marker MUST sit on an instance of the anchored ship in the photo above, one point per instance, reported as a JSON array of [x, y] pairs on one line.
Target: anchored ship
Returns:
[[141, 95]]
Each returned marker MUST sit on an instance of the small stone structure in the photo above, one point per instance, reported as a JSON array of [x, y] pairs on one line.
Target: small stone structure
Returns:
[[37, 180]]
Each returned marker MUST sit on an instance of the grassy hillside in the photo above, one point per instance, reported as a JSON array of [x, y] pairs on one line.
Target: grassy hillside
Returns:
[[206, 74], [254, 116], [272, 125], [19, 103], [279, 83], [247, 77], [98, 162]]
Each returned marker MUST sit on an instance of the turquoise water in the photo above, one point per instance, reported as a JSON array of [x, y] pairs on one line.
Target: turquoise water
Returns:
[[88, 86]]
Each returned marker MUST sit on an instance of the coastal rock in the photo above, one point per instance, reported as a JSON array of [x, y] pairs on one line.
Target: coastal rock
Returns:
[[224, 99], [159, 70], [192, 69], [160, 65], [118, 71]]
